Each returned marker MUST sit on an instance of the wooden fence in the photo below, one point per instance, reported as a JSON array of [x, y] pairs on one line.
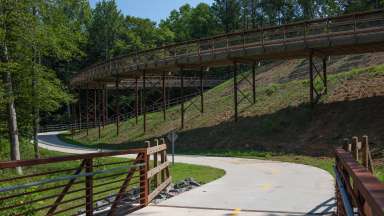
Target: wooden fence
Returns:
[[106, 183], [358, 191]]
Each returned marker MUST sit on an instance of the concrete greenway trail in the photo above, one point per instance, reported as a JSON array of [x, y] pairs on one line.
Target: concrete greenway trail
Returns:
[[249, 187]]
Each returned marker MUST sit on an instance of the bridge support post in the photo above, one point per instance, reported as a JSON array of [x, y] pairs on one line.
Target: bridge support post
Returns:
[[72, 111], [235, 88], [143, 99], [182, 96], [325, 75], [87, 109], [117, 106], [316, 76], [79, 109], [100, 113], [106, 105], [103, 105], [164, 97], [201, 90], [311, 80], [254, 82], [94, 107], [136, 101]]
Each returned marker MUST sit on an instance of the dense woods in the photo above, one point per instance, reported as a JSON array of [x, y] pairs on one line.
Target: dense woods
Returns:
[[43, 43]]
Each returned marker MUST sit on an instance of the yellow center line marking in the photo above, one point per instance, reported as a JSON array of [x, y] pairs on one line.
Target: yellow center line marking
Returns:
[[265, 186], [235, 212], [275, 171]]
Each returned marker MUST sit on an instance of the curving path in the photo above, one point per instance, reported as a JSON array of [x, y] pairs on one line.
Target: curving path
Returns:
[[250, 187]]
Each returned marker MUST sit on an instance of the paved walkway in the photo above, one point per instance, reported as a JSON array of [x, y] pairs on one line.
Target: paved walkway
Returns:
[[249, 187]]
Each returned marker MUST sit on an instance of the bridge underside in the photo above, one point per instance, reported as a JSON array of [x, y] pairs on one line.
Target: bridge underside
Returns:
[[314, 40]]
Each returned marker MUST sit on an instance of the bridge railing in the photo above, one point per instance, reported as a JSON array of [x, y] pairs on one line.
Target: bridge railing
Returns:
[[358, 191], [86, 184], [305, 31]]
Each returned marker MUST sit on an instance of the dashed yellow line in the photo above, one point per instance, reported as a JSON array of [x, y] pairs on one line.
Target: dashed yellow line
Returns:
[[235, 212]]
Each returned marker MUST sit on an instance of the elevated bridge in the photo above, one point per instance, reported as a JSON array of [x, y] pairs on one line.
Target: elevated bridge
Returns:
[[313, 39]]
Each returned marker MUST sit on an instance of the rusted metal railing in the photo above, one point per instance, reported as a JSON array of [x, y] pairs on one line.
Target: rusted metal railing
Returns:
[[88, 184], [358, 191]]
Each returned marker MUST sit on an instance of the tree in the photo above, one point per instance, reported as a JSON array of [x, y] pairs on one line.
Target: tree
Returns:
[[227, 13], [202, 22], [105, 27], [13, 20], [178, 22]]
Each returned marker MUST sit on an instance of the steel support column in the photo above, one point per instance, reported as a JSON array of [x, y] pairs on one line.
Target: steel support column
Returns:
[[311, 80], [164, 97], [103, 105], [201, 90], [254, 83], [117, 106], [100, 113], [136, 100], [86, 109], [144, 108], [317, 76], [79, 108], [182, 96], [94, 107], [235, 89], [106, 105], [325, 75]]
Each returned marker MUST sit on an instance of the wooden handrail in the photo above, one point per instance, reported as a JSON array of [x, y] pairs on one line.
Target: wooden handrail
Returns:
[[366, 191]]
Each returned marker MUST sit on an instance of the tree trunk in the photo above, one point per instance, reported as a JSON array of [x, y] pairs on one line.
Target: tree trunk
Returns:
[[35, 102], [35, 107], [12, 118]]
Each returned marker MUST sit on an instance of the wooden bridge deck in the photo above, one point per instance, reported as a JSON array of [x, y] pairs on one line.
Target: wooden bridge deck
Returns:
[[348, 34]]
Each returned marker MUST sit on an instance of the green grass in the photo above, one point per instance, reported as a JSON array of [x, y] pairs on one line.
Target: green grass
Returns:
[[179, 171], [280, 108], [268, 129], [202, 174]]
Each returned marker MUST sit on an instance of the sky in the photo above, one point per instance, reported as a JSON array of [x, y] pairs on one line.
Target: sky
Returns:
[[155, 10]]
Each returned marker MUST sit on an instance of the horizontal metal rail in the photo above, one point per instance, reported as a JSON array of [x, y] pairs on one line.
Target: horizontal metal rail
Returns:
[[347, 205], [46, 187]]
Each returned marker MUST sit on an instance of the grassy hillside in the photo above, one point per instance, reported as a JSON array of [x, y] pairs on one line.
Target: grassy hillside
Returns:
[[280, 121]]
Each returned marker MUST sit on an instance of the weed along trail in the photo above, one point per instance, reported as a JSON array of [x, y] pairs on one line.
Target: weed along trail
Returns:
[[249, 187]]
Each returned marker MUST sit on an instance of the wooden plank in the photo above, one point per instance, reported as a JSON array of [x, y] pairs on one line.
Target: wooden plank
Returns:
[[368, 185], [159, 189], [157, 169], [162, 160], [156, 149]]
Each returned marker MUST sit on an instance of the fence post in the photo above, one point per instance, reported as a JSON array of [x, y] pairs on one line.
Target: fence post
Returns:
[[155, 179], [88, 187], [364, 151], [347, 145], [144, 180], [355, 148]]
